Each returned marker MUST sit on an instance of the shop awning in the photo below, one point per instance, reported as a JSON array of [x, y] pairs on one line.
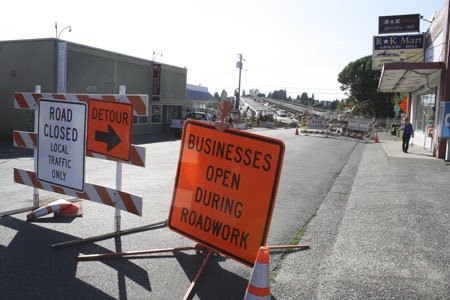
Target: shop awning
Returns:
[[408, 77]]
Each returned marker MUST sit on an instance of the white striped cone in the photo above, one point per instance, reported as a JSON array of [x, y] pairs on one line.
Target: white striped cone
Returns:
[[74, 210], [52, 207], [259, 285]]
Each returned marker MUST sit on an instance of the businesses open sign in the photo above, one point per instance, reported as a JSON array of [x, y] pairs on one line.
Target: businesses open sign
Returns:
[[225, 189]]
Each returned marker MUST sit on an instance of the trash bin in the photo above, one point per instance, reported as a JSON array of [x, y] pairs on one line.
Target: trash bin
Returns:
[[394, 129]]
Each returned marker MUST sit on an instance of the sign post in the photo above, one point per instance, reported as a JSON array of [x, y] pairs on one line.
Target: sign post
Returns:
[[37, 89], [62, 143]]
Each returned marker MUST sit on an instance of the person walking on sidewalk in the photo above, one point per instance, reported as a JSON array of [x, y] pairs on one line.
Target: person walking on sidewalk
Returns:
[[408, 132]]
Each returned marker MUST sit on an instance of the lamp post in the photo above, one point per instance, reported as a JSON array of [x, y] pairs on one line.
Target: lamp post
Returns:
[[156, 54], [238, 96], [59, 34]]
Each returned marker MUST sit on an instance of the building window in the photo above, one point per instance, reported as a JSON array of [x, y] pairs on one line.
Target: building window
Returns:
[[424, 116], [156, 113], [140, 119]]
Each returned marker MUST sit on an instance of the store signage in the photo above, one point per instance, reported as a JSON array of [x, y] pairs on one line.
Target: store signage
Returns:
[[397, 48], [110, 127], [399, 24], [445, 133], [225, 189], [61, 147], [156, 82]]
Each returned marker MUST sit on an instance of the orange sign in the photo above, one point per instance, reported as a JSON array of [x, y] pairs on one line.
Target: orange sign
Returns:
[[109, 128], [225, 189], [404, 105]]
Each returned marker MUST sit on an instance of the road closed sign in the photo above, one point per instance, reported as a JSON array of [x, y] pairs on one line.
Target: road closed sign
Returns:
[[110, 127], [62, 143], [225, 189]]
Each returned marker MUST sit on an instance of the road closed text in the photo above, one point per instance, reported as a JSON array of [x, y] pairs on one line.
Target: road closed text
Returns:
[[61, 148]]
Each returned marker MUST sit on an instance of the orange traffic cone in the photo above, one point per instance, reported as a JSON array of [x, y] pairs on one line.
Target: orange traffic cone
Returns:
[[74, 210], [57, 207], [259, 284], [296, 131], [375, 138]]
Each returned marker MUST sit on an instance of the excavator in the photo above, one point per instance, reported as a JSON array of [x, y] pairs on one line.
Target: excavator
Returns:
[[364, 109]]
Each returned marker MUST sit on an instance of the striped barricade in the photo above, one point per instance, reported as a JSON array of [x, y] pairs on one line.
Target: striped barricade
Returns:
[[111, 197], [24, 139], [30, 100]]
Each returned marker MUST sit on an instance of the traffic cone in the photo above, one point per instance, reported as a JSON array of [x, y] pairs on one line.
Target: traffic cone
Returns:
[[259, 284], [375, 138], [74, 210], [296, 131], [56, 207]]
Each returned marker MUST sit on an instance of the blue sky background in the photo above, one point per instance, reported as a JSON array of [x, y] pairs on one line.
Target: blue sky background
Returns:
[[297, 45]]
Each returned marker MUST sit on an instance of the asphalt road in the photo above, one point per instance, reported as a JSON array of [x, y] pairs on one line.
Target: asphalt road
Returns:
[[32, 269]]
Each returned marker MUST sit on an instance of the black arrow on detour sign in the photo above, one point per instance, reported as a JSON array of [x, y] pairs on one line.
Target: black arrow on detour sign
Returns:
[[110, 137]]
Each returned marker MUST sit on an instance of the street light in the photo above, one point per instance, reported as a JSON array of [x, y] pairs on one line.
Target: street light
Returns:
[[59, 34], [238, 96], [156, 54]]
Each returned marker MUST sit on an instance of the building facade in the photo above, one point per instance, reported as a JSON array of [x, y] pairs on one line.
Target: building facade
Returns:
[[427, 84], [59, 66]]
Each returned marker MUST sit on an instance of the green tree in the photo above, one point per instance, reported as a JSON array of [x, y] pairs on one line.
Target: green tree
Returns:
[[216, 96], [361, 83], [304, 98], [280, 94], [223, 95]]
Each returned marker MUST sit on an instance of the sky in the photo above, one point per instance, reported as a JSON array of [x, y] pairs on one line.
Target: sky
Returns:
[[296, 45]]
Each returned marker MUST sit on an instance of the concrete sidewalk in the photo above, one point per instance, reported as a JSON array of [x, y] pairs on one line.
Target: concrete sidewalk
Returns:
[[382, 231]]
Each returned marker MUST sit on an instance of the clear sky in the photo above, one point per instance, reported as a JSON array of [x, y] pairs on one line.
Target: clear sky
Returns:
[[297, 45]]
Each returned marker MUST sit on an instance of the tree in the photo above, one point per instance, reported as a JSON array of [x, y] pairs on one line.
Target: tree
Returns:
[[361, 83], [304, 98], [334, 104], [216, 96], [280, 94], [224, 95]]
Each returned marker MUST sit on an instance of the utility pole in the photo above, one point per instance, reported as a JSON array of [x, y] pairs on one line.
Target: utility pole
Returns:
[[238, 96]]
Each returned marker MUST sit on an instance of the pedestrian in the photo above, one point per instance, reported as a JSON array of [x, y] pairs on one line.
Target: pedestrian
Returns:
[[408, 132]]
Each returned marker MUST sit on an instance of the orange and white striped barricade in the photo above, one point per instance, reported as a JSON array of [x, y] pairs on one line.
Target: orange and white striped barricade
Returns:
[[104, 195], [112, 197]]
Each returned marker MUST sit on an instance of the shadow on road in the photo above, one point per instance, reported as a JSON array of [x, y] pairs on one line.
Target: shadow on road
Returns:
[[215, 282], [31, 269]]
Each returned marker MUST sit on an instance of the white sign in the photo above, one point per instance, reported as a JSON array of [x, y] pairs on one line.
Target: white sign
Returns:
[[62, 143], [359, 124], [316, 123]]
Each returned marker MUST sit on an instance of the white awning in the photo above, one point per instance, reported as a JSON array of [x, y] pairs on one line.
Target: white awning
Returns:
[[408, 77]]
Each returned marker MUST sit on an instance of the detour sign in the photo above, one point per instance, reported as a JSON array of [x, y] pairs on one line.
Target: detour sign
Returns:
[[225, 189], [110, 127]]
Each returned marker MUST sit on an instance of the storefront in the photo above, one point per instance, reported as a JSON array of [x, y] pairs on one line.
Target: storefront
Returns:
[[423, 118], [427, 84]]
